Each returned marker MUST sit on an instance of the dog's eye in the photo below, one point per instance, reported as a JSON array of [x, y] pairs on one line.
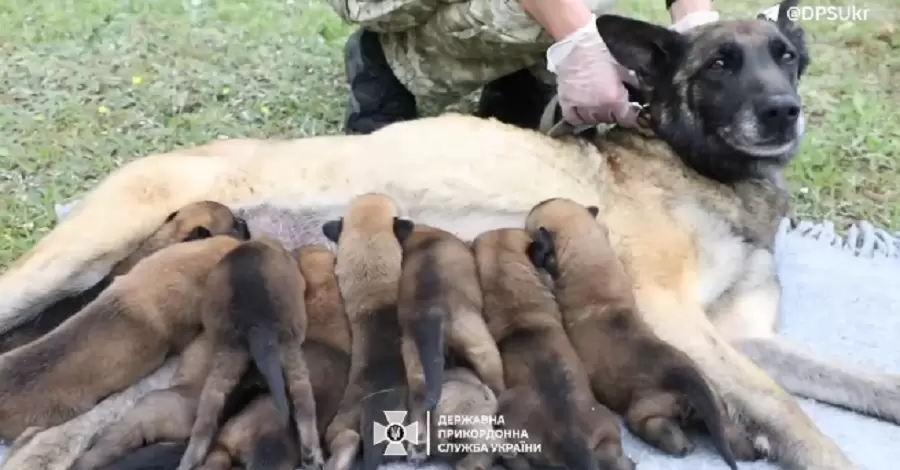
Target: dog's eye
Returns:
[[718, 64], [788, 56]]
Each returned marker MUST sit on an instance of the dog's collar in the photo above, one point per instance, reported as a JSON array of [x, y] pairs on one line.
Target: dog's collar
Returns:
[[557, 128]]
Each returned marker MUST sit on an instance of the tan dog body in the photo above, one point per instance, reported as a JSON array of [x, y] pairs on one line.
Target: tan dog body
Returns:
[[548, 393], [122, 336], [327, 344], [440, 304], [368, 265], [699, 248], [255, 311], [192, 222]]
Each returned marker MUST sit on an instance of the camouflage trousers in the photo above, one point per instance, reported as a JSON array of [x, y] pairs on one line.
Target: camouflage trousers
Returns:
[[443, 50]]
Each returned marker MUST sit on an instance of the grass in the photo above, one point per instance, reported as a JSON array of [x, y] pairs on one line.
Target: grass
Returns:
[[87, 85]]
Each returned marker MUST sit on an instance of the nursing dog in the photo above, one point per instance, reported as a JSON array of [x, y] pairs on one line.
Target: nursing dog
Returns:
[[326, 348], [693, 212], [548, 393], [255, 310], [126, 333], [192, 222], [653, 385], [369, 258], [440, 303]]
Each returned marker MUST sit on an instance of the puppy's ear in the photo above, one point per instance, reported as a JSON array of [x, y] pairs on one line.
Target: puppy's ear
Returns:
[[403, 228], [198, 233], [593, 210], [649, 50], [542, 252], [170, 217], [241, 229], [332, 229]]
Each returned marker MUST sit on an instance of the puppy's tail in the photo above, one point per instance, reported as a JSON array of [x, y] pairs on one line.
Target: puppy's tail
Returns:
[[263, 343], [690, 382], [429, 338]]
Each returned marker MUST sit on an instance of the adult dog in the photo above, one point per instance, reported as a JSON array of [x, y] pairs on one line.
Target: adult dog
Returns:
[[693, 214]]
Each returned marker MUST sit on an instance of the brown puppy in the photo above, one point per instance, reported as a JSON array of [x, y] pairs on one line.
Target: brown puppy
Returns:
[[161, 415], [548, 393], [439, 286], [120, 337], [369, 257], [192, 222], [654, 385], [255, 438], [255, 310], [464, 394], [327, 344]]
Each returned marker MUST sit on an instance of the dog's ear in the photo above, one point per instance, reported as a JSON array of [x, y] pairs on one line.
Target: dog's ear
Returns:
[[403, 228], [648, 49], [794, 33], [593, 210], [197, 233], [542, 252], [332, 229], [241, 229], [170, 217]]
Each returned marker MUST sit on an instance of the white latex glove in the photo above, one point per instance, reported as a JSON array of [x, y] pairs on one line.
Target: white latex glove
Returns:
[[589, 80], [692, 20]]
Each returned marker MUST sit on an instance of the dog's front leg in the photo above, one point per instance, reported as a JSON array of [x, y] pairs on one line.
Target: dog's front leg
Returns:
[[752, 396]]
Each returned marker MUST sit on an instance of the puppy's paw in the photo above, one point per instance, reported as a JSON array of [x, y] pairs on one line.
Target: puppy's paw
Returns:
[[312, 459]]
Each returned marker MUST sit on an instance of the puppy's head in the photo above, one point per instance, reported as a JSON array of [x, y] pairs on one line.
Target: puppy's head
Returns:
[[724, 95], [200, 220], [316, 263], [369, 215], [556, 223]]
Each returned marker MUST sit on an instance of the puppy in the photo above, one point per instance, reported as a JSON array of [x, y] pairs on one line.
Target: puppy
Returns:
[[464, 394], [369, 256], [256, 439], [117, 339], [548, 395], [161, 415], [652, 384], [254, 309], [439, 285], [327, 344], [192, 222]]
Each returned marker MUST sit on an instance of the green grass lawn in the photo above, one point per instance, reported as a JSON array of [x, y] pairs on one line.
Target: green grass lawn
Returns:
[[88, 85]]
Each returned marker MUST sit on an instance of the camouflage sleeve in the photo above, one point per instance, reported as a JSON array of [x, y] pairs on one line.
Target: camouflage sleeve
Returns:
[[387, 16]]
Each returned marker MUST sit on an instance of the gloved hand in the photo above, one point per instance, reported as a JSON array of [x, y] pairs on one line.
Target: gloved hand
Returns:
[[589, 80]]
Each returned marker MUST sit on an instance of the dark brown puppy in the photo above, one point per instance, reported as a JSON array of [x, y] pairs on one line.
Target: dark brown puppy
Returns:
[[654, 385], [123, 335], [548, 394], [254, 309], [327, 344], [254, 439], [369, 257], [192, 222], [440, 303]]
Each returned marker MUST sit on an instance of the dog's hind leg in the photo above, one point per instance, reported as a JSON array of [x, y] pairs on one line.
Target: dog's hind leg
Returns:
[[301, 391], [469, 338], [751, 395], [826, 380], [229, 365]]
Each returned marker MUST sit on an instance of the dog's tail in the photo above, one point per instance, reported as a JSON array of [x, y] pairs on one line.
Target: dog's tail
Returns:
[[271, 451], [690, 382], [429, 339], [263, 344], [373, 411]]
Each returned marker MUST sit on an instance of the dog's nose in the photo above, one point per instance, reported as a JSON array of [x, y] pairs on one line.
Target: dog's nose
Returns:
[[778, 112]]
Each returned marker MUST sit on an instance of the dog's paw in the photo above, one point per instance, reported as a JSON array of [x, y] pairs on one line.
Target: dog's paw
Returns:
[[312, 460]]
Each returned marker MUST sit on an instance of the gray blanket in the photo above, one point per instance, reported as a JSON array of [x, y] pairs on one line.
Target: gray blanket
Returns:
[[841, 298]]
